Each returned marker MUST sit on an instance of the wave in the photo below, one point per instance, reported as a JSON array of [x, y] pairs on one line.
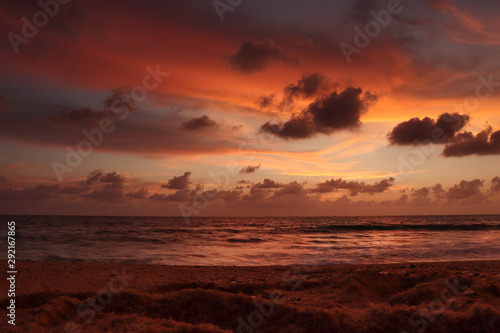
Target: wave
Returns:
[[245, 240], [417, 227]]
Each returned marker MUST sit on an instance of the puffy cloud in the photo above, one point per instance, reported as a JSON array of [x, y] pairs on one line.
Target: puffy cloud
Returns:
[[268, 183], [254, 56], [178, 182], [112, 191], [199, 122], [112, 177], [418, 131], [250, 169], [337, 111], [93, 177], [292, 188], [139, 194], [353, 186], [486, 142], [495, 185], [256, 194], [465, 190], [309, 85]]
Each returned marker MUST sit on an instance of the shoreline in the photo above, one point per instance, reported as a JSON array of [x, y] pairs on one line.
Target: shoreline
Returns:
[[339, 296]]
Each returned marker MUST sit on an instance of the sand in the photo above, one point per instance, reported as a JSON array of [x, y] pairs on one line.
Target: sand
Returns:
[[104, 297]]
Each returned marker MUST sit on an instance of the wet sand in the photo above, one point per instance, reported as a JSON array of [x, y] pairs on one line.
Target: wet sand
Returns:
[[104, 297]]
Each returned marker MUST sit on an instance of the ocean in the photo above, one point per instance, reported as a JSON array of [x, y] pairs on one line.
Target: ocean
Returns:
[[257, 240]]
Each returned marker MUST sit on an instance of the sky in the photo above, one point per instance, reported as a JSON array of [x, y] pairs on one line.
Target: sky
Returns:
[[249, 108]]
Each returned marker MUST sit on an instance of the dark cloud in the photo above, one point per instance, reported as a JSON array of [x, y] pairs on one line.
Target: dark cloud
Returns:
[[4, 104], [112, 191], [178, 182], [200, 122], [265, 102], [353, 186], [72, 190], [309, 85], [116, 105], [256, 194], [466, 190], [338, 111], [250, 169], [93, 177], [139, 194], [254, 56], [29, 194], [179, 196], [243, 181], [112, 177], [268, 183], [230, 195], [83, 116], [292, 188], [486, 142], [495, 185], [418, 131], [3, 179]]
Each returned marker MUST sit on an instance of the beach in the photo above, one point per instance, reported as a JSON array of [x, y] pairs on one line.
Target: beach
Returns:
[[56, 296]]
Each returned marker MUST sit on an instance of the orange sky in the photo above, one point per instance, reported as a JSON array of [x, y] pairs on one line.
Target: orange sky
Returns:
[[265, 88]]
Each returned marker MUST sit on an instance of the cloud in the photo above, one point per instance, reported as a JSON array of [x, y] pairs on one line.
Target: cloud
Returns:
[[178, 182], [354, 187], [265, 102], [4, 104], [309, 85], [338, 111], [466, 190], [256, 194], [181, 195], [200, 122], [112, 191], [29, 194], [250, 169], [141, 193], [82, 116], [72, 190], [117, 101], [93, 177], [292, 188], [418, 131], [267, 183], [495, 185], [3, 179], [255, 56], [112, 177], [486, 142]]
